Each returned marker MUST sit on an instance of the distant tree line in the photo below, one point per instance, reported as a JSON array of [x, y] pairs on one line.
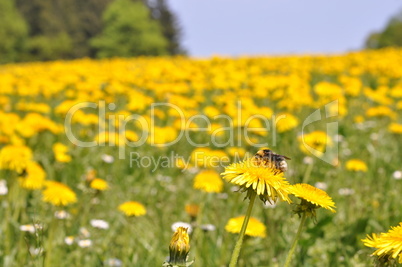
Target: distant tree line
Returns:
[[36, 30], [391, 35]]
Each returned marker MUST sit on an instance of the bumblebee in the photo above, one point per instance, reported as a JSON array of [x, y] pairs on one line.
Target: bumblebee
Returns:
[[269, 158]]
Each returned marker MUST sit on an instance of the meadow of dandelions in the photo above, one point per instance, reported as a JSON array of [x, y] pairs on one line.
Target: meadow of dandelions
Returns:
[[202, 200]]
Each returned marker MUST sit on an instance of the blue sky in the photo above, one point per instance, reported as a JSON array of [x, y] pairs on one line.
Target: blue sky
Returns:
[[263, 27]]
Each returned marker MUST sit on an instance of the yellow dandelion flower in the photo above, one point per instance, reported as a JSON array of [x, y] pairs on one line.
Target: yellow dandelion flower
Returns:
[[58, 194], [236, 152], [314, 143], [358, 119], [60, 152], [192, 210], [267, 182], [207, 158], [255, 228], [132, 208], [395, 128], [34, 177], [388, 245], [181, 163], [399, 104], [90, 175], [381, 111], [15, 157], [161, 136], [99, 184], [286, 122], [179, 247], [211, 112], [313, 195], [208, 181], [356, 165]]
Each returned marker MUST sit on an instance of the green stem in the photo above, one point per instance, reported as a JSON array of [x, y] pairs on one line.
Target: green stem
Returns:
[[294, 243], [49, 246], [236, 250], [307, 174]]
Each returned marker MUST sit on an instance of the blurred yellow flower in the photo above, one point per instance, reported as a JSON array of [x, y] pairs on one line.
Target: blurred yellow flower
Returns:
[[358, 119], [356, 165], [208, 181], [15, 157], [381, 111], [58, 194], [99, 184], [236, 152], [60, 152], [34, 177], [160, 136], [34, 123], [314, 143], [326, 89], [255, 228], [207, 158], [286, 122], [132, 208], [192, 210], [395, 128]]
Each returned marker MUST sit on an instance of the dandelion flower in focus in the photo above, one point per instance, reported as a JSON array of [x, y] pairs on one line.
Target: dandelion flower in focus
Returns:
[[99, 184], [179, 248], [312, 198], [356, 165], [15, 157], [255, 228], [208, 181], [388, 245], [132, 208], [267, 182], [58, 194]]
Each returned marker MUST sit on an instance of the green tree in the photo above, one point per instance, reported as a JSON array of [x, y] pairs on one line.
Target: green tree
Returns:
[[13, 32], [390, 36], [169, 24], [49, 47], [59, 20], [129, 31]]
